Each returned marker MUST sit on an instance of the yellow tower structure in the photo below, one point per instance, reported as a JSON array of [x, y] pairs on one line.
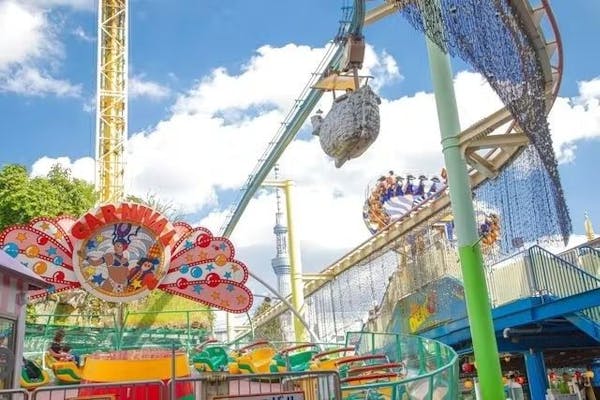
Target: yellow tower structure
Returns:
[[589, 228], [111, 98]]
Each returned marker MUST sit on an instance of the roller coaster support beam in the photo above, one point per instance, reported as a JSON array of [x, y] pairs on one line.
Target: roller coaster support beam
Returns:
[[295, 258], [476, 293]]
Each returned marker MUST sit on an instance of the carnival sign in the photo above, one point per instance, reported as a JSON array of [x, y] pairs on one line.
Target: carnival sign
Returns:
[[121, 252]]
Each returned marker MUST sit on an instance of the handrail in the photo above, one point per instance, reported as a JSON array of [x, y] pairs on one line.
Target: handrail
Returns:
[[559, 277]]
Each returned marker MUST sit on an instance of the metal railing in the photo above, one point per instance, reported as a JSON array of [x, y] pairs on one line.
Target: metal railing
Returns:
[[555, 276], [14, 394], [431, 367], [434, 262], [585, 257], [138, 390], [314, 385], [532, 272]]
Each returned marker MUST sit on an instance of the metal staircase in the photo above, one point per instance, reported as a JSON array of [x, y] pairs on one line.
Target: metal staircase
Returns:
[[535, 272]]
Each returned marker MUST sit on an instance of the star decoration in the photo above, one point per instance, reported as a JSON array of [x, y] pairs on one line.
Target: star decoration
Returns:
[[57, 250], [136, 284], [98, 279]]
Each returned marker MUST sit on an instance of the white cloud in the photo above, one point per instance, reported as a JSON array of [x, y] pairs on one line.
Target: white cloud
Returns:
[[82, 168], [80, 33], [272, 77], [76, 4], [141, 88], [575, 119], [33, 82], [24, 35], [30, 52], [220, 127]]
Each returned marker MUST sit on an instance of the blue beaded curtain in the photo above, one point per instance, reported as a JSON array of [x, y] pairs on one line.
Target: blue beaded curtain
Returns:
[[523, 195], [489, 35]]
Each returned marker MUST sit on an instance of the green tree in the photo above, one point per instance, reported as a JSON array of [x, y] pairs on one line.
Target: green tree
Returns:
[[168, 209], [272, 329], [23, 198]]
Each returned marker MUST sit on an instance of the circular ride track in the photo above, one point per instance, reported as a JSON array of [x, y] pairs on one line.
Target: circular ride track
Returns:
[[488, 145]]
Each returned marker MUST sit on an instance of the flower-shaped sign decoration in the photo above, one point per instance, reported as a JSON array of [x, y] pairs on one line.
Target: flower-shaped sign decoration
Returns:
[[121, 252]]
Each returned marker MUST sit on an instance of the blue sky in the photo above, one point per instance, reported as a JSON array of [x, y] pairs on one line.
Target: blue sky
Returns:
[[214, 73]]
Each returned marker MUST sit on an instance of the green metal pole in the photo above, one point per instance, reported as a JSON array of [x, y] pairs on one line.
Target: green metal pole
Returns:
[[476, 294]]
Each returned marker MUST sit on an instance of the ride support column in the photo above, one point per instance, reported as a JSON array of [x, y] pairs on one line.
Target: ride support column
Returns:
[[295, 264], [536, 373], [476, 294]]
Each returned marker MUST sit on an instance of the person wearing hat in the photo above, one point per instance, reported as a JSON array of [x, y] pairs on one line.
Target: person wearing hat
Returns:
[[588, 375], [142, 275], [434, 186]]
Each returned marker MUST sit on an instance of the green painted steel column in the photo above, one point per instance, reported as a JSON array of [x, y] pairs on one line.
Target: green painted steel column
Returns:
[[476, 294]]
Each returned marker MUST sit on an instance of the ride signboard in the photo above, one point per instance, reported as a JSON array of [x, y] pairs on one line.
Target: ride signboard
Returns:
[[121, 252], [265, 396]]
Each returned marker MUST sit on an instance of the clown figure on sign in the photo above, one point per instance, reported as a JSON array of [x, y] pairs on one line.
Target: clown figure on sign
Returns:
[[121, 261], [142, 275]]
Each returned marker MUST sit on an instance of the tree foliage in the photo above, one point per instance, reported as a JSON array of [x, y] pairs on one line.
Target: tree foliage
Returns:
[[23, 198], [158, 301], [166, 208], [272, 329]]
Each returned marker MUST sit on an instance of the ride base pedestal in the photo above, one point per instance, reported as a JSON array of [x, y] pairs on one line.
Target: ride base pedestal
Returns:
[[136, 365]]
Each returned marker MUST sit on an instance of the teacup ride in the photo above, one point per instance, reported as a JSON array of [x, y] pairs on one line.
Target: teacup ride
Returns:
[[136, 365], [33, 376], [255, 358], [295, 358], [327, 360], [66, 372], [374, 375], [210, 357]]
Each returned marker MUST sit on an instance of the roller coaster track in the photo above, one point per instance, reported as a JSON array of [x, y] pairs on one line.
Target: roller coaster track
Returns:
[[488, 145], [296, 117]]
